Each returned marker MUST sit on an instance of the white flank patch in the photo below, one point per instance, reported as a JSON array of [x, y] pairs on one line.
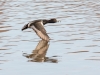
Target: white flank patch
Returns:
[[29, 24], [42, 23]]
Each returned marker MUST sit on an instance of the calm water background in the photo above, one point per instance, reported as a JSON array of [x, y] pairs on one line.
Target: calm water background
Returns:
[[75, 40]]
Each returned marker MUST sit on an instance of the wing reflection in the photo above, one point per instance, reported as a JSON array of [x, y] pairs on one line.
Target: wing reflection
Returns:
[[38, 55]]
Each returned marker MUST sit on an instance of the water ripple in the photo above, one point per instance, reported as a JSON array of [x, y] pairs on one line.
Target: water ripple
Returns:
[[75, 37]]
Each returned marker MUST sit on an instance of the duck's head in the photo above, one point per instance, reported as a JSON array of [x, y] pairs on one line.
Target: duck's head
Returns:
[[53, 20]]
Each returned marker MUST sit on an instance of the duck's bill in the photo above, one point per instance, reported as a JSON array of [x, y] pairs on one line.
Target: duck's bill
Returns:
[[25, 27]]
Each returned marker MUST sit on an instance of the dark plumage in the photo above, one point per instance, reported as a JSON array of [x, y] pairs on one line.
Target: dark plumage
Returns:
[[37, 26], [49, 21]]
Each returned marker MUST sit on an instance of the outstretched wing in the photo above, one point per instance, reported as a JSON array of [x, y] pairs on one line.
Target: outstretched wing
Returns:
[[40, 30]]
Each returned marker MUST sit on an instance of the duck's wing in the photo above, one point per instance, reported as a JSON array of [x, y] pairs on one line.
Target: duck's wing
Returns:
[[40, 30]]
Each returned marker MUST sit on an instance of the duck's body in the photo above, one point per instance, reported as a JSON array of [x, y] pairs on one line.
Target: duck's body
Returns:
[[37, 26]]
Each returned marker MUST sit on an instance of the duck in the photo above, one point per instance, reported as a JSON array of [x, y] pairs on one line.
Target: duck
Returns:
[[38, 27]]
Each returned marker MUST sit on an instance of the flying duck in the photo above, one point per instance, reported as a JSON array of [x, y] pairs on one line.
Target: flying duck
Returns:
[[37, 26]]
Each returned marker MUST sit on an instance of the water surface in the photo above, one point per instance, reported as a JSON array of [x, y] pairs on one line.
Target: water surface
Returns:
[[74, 48]]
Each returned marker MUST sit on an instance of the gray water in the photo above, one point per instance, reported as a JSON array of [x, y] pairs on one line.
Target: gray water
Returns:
[[74, 48]]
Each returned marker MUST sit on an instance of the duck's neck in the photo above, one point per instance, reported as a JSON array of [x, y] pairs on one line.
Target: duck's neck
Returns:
[[45, 22]]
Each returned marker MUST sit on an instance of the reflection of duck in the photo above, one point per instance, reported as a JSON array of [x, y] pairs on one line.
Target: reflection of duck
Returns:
[[38, 55], [37, 26], [40, 50]]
